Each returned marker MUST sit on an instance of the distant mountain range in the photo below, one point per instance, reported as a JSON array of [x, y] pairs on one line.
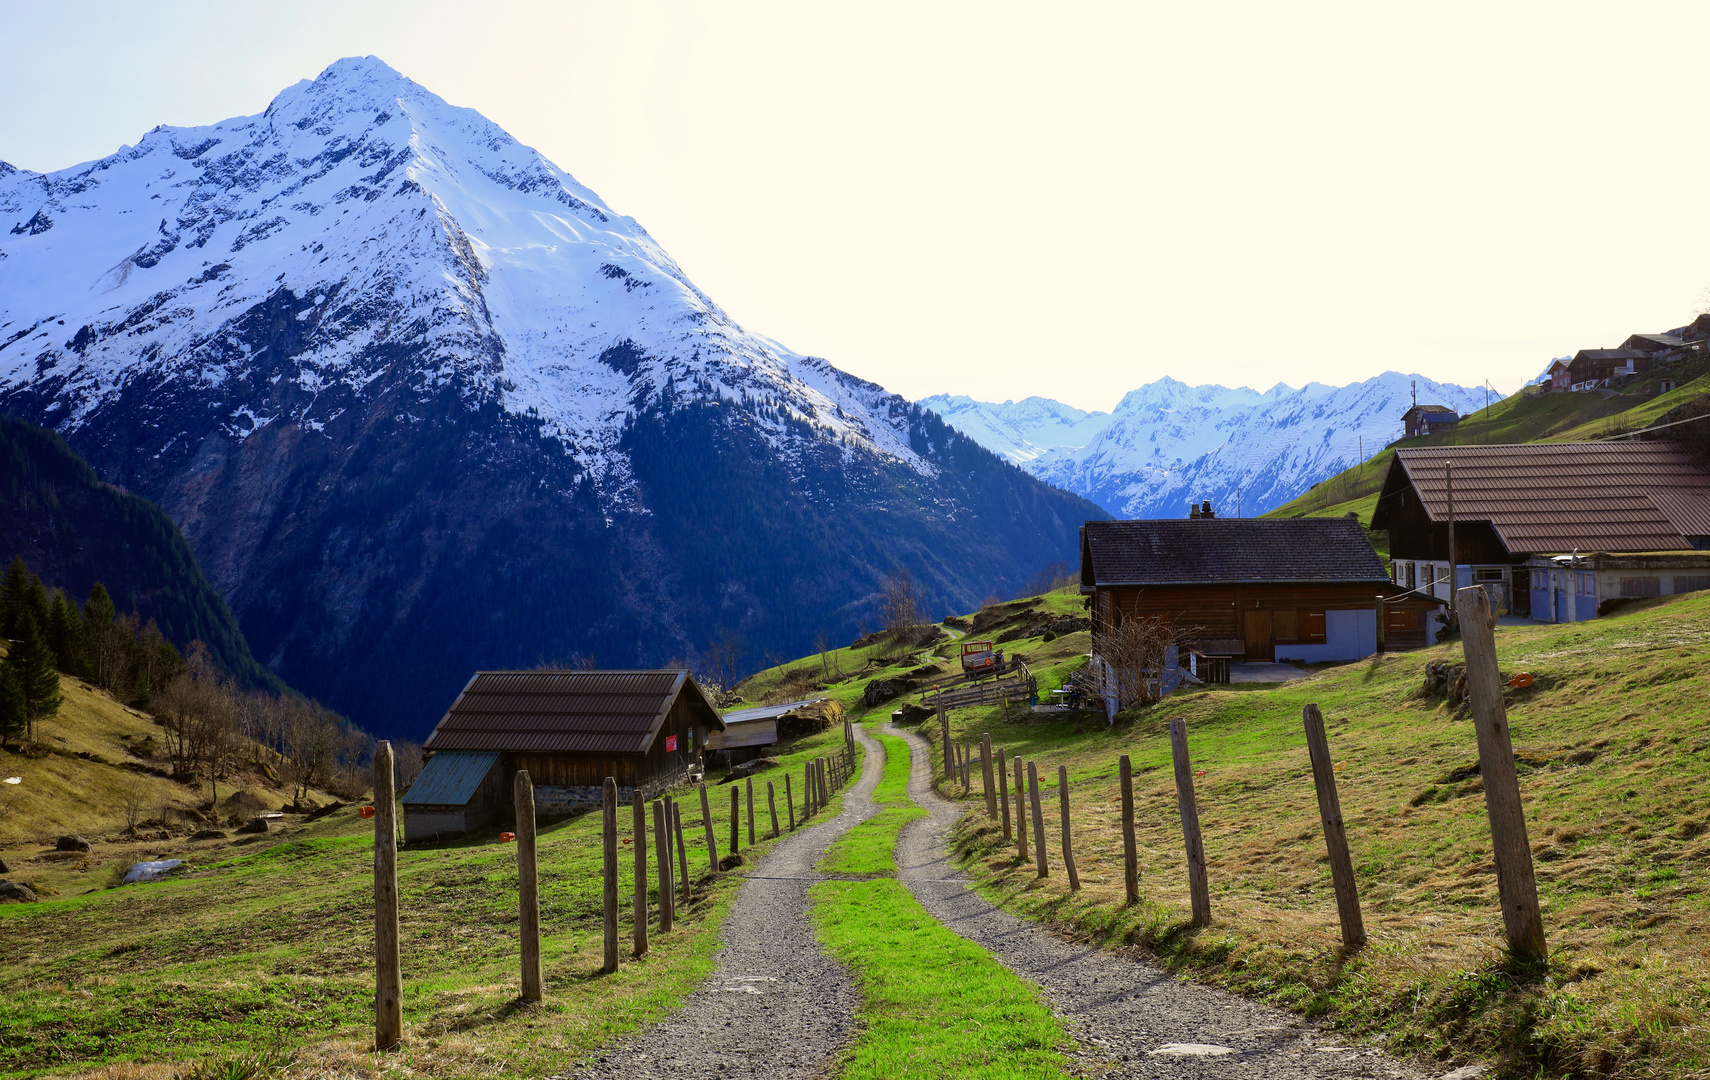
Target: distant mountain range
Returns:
[[1168, 443], [422, 404]]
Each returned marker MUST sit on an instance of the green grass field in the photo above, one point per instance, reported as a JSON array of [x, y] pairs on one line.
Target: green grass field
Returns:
[[271, 946]]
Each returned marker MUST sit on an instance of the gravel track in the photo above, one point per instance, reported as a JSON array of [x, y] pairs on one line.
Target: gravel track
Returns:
[[777, 1006], [1123, 1012]]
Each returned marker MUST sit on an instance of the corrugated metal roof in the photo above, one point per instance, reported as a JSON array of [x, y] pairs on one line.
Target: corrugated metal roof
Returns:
[[1556, 497], [450, 778], [597, 712], [1183, 551], [766, 712]]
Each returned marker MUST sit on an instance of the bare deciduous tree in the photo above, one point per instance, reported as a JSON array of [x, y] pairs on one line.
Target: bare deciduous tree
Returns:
[[133, 796], [1137, 654], [901, 602]]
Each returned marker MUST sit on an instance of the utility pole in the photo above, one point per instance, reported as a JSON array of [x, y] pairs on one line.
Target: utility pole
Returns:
[[1454, 579], [1362, 455]]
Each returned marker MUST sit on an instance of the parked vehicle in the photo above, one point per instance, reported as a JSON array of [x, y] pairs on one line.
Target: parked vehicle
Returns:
[[979, 659]]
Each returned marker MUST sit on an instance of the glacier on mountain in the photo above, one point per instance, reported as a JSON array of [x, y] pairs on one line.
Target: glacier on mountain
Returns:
[[1167, 444]]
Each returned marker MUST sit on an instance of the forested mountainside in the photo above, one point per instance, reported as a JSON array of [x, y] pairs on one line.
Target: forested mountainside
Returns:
[[422, 404], [74, 530]]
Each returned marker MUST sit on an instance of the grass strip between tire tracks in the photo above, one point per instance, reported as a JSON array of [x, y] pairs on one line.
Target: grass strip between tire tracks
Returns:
[[933, 1003]]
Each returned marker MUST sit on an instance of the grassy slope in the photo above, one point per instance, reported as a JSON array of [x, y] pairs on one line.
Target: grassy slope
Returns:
[[1553, 417], [1618, 740], [271, 943]]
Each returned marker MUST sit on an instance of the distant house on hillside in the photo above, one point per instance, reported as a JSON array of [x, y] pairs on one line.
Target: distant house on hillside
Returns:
[[1520, 510], [1424, 419], [1560, 372], [1592, 368], [570, 730], [1253, 588], [1653, 344]]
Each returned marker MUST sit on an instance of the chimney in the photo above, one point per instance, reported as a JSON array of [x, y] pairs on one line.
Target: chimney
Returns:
[[1205, 511], [1193, 511]]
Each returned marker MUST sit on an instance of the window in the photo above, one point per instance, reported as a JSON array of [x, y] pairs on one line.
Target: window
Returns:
[[1641, 586], [1489, 573], [1312, 627], [1691, 584]]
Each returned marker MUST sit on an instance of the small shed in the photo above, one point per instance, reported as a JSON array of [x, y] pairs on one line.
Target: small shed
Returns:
[[748, 732], [570, 730]]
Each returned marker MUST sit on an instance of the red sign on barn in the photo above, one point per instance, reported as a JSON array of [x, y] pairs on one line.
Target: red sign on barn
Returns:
[[670, 744]]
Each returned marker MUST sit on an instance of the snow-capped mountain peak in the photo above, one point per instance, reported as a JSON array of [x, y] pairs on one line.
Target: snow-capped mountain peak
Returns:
[[1167, 443], [521, 283]]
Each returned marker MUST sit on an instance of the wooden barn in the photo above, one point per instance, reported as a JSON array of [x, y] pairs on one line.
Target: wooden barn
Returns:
[[1425, 419], [570, 730], [1258, 589]]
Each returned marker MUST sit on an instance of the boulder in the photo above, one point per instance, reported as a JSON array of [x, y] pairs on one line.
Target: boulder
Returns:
[[910, 713], [256, 825], [73, 843], [16, 892], [207, 834], [4, 869], [749, 768], [880, 691], [316, 815]]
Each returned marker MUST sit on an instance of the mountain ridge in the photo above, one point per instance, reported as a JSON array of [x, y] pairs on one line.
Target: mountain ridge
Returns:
[[1167, 443], [422, 403]]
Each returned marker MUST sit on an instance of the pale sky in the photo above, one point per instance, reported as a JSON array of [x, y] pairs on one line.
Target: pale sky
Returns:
[[1011, 199]]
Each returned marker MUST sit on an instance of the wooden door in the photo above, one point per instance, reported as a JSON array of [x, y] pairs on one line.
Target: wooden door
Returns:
[[1259, 646]]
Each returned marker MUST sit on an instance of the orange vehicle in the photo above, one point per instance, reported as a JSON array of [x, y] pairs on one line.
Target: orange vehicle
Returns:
[[979, 659]]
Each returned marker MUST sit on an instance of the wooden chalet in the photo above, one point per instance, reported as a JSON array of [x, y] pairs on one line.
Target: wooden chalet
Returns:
[[1515, 505], [1253, 588], [570, 730], [1424, 419], [1591, 368]]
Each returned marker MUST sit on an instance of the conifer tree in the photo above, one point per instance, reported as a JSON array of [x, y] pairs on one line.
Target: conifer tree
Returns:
[[32, 660], [103, 654], [14, 594], [65, 634], [14, 716]]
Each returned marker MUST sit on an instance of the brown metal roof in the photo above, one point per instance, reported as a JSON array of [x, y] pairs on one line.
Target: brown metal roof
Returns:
[[1203, 551], [595, 712], [1557, 497]]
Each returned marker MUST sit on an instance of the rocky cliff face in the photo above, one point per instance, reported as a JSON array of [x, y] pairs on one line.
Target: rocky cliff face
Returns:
[[422, 403]]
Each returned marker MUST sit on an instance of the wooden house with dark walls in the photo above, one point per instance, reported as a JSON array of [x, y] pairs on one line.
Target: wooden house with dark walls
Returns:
[[1258, 589], [1518, 508], [570, 730], [1426, 419]]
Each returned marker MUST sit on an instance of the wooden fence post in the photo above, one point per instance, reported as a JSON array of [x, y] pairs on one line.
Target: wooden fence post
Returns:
[[682, 848], [528, 886], [735, 819], [1380, 626], [707, 826], [662, 844], [748, 783], [772, 806], [1038, 821], [944, 737], [1130, 851], [807, 791], [1020, 814], [986, 775], [1068, 852], [1003, 792], [638, 807], [789, 802], [1335, 833], [388, 977], [609, 845], [824, 784], [1198, 890], [1514, 877]]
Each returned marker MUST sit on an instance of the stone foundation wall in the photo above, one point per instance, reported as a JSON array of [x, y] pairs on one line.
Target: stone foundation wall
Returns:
[[552, 801]]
